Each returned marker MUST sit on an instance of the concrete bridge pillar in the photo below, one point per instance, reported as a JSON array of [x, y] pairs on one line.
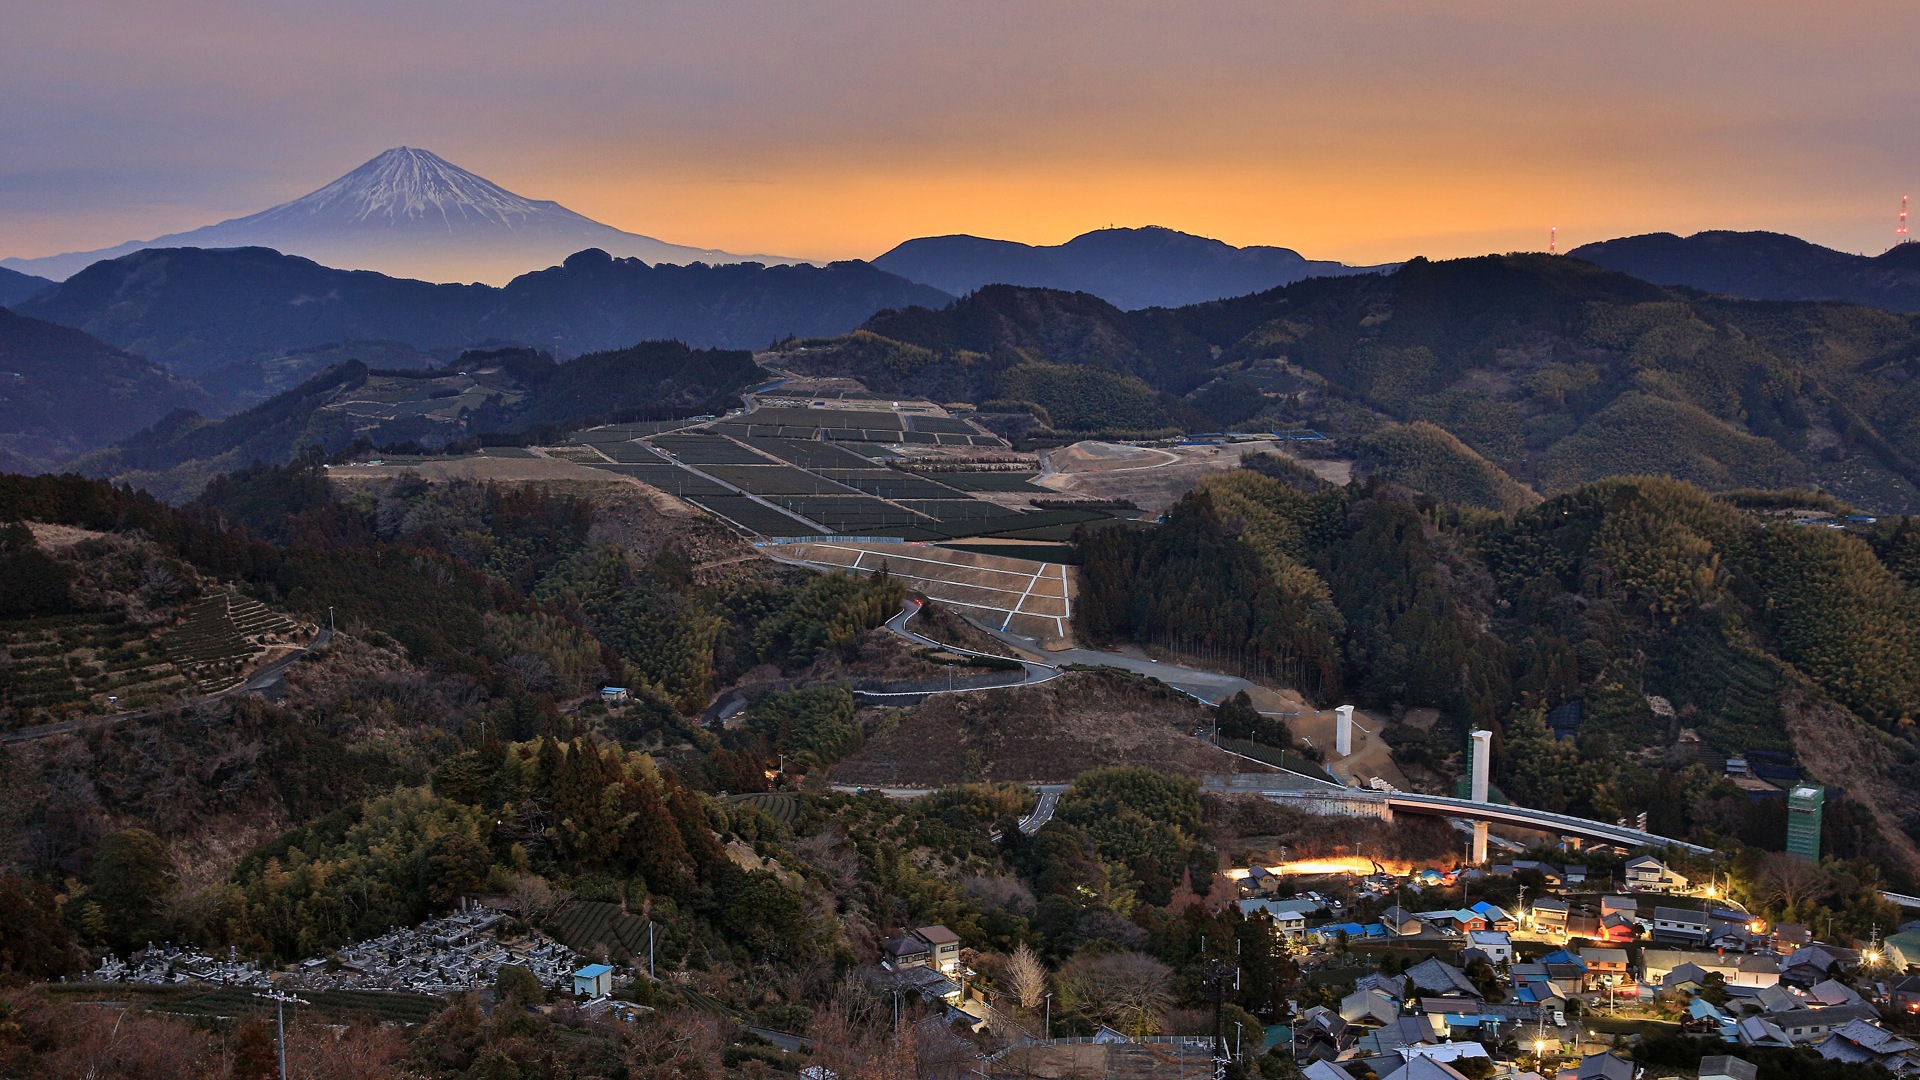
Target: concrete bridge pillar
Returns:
[[1482, 752], [1343, 731]]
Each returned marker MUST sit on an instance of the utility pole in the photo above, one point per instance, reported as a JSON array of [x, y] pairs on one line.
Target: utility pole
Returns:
[[650, 974], [280, 1001], [1049, 1015]]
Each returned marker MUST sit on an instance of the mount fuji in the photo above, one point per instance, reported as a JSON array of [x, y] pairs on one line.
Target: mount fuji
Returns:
[[412, 213]]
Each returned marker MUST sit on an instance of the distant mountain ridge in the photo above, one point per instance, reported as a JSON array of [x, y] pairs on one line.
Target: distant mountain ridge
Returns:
[[1128, 268], [196, 310], [1554, 370], [1765, 266], [411, 213]]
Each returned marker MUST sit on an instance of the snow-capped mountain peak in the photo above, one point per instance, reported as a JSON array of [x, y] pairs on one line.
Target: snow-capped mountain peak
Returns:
[[412, 213], [408, 188]]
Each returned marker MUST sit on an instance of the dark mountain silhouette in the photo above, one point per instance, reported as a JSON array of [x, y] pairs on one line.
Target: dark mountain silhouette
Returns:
[[63, 393], [1765, 266], [1129, 268], [196, 310], [411, 212], [16, 286]]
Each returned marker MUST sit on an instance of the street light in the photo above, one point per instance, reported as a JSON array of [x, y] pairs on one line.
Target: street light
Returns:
[[1049, 1015]]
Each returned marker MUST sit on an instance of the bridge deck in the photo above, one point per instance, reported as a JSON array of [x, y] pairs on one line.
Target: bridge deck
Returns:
[[1290, 788]]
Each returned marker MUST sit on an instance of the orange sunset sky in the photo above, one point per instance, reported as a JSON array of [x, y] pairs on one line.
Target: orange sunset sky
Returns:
[[1362, 130]]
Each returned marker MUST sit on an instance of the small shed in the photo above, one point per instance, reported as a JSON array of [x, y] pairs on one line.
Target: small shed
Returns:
[[593, 981]]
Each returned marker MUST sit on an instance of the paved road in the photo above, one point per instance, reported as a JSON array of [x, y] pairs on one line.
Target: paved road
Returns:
[[266, 676], [1042, 813], [1210, 687], [1035, 671]]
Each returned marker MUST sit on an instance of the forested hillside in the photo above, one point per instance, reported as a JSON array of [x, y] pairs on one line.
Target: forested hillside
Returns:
[[1763, 631], [1555, 371], [63, 393], [495, 392], [449, 742]]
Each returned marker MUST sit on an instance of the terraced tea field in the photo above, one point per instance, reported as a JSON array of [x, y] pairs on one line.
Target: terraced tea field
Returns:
[[781, 806], [221, 635], [587, 925], [69, 665]]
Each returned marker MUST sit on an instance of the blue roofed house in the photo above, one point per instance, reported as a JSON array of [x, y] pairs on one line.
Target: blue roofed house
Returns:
[[593, 981], [1705, 1018], [1496, 917]]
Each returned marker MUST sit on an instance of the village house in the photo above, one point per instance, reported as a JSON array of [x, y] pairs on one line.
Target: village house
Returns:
[[1496, 917], [1812, 1025], [1550, 915], [1620, 905], [1289, 916], [1605, 967], [932, 946], [1681, 926], [1400, 922], [1438, 978], [1861, 1042], [1648, 874], [1727, 1067], [1496, 944], [1738, 970]]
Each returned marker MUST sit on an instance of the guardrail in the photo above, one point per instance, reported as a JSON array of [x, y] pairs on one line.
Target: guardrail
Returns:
[[777, 541]]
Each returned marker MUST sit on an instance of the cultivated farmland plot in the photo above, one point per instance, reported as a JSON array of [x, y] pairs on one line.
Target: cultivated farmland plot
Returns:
[[753, 517], [585, 926], [708, 450], [809, 454], [1029, 598], [781, 806], [220, 636], [67, 665], [899, 485], [775, 480]]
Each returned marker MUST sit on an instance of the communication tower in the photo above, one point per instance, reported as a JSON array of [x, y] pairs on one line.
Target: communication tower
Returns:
[[1900, 233], [1553, 237]]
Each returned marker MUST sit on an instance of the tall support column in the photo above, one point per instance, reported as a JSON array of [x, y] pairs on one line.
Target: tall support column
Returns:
[[1343, 730], [1482, 753]]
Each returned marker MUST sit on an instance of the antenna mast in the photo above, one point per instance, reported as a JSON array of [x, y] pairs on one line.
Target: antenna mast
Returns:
[[1553, 235], [1901, 232]]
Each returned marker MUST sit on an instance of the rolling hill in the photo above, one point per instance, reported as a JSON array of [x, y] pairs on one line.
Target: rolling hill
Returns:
[[1765, 266], [1554, 370], [1129, 268], [411, 213], [482, 392]]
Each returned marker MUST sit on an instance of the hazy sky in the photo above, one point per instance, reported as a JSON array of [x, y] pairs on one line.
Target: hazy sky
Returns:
[[1362, 130]]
